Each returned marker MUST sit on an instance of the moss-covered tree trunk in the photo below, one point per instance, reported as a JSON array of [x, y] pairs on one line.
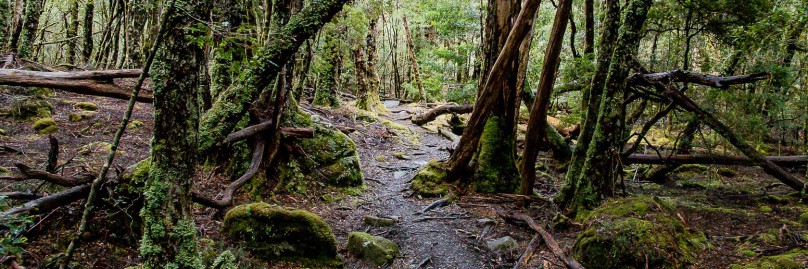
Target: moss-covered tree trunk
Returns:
[[87, 31], [72, 32], [416, 70], [138, 15], [598, 175], [227, 55], [590, 101], [4, 19], [233, 103], [326, 94], [169, 233], [369, 98], [33, 10], [17, 16]]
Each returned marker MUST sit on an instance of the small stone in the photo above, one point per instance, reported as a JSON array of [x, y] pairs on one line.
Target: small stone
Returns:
[[82, 115], [502, 244], [45, 126], [379, 221], [377, 250], [86, 106]]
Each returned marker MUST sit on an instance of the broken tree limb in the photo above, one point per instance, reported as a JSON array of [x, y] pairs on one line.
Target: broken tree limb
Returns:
[[551, 242], [783, 161], [433, 114], [31, 173], [524, 260], [724, 130], [48, 202], [264, 126], [20, 195], [98, 83], [706, 80]]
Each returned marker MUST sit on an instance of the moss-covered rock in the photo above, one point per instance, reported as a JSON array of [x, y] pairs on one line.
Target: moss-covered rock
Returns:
[[30, 108], [377, 250], [276, 233], [637, 232], [794, 259], [331, 156], [430, 180], [45, 126], [81, 116], [135, 124], [86, 106], [3, 132], [99, 146]]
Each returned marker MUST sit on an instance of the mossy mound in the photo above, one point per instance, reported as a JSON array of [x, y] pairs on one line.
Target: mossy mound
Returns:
[[100, 146], [3, 132], [45, 126], [81, 116], [430, 180], [637, 232], [135, 124], [331, 155], [86, 106], [378, 250], [495, 166], [30, 108], [794, 259], [277, 233]]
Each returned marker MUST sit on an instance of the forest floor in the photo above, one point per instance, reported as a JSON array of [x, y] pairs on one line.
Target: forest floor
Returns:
[[745, 215]]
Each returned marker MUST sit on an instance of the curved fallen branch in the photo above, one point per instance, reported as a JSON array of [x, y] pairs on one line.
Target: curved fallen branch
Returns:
[[433, 114], [787, 161], [31, 173], [227, 196]]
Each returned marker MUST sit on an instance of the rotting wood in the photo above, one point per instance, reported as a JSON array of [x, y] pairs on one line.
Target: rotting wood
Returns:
[[31, 173], [48, 202], [706, 80], [227, 195], [524, 259], [550, 241], [431, 115]]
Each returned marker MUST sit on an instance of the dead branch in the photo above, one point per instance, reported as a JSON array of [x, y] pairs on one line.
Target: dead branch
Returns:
[[48, 202], [786, 161], [53, 154], [20, 195], [30, 173], [264, 126], [707, 80], [524, 259], [444, 109], [551, 242], [98, 83]]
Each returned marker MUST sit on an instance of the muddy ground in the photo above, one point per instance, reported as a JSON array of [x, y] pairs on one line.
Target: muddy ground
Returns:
[[732, 209]]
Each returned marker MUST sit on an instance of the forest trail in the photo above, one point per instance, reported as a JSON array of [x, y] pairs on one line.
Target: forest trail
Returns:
[[388, 195]]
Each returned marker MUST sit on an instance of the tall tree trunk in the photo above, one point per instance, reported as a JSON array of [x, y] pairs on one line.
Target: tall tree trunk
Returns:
[[326, 94], [87, 31], [137, 12], [414, 61], [169, 232], [590, 101], [33, 10], [597, 177], [228, 54], [72, 33], [589, 26], [4, 19], [490, 135], [16, 26], [537, 123], [369, 98]]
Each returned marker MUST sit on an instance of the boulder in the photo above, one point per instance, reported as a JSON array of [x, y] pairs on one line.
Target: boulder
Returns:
[[502, 244], [275, 233], [637, 232], [374, 249]]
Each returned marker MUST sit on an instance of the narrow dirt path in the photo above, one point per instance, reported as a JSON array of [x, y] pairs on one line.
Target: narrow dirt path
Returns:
[[388, 179]]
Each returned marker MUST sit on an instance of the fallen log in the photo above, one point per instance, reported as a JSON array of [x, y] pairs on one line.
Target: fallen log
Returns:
[[98, 83], [30, 173], [264, 126], [787, 161], [48, 202], [552, 244], [444, 109], [706, 80]]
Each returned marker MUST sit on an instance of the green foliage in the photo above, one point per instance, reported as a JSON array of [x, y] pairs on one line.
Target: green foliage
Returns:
[[12, 240]]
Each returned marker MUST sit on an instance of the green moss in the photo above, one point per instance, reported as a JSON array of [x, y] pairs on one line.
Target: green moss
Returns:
[[402, 131], [381, 159], [135, 124], [804, 217], [430, 180], [3, 132], [726, 172], [30, 108], [794, 259], [765, 209], [495, 166], [225, 261], [45, 126], [95, 147], [379, 251], [3, 171], [635, 232], [87, 106], [277, 233], [748, 253], [696, 168], [331, 157], [82, 115]]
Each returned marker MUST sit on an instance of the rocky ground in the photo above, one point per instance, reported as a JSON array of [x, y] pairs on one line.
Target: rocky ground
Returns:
[[745, 217]]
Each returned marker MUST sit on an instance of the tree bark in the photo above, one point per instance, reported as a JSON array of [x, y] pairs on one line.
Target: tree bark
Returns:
[[97, 83], [16, 26], [431, 115], [414, 61], [537, 123], [72, 33], [87, 31], [326, 92], [369, 99], [169, 232], [33, 10], [589, 26], [4, 19]]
